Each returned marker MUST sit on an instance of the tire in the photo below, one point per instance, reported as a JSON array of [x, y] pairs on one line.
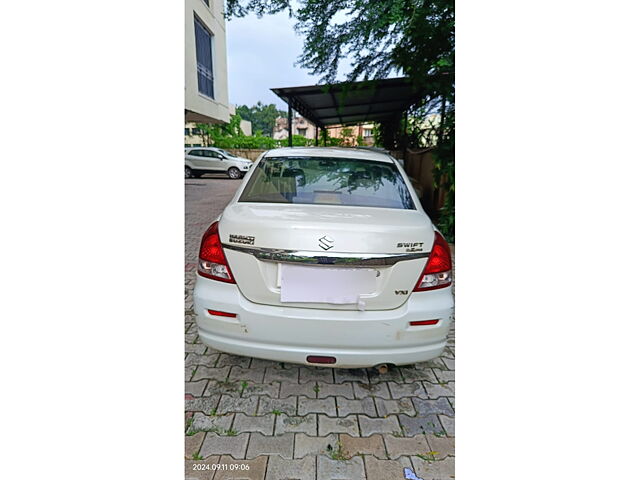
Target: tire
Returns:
[[234, 173], [187, 172]]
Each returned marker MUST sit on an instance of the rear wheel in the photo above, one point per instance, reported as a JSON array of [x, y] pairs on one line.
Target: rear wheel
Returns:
[[234, 173], [187, 172]]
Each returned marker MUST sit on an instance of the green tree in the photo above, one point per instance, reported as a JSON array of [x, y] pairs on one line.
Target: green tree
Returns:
[[383, 38], [262, 117]]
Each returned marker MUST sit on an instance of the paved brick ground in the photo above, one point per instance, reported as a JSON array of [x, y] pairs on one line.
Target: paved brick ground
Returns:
[[261, 420]]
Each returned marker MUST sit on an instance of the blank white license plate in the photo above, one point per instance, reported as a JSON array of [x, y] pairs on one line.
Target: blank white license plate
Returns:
[[325, 285]]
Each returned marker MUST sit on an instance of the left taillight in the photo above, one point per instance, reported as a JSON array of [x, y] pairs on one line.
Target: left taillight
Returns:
[[212, 262], [437, 271]]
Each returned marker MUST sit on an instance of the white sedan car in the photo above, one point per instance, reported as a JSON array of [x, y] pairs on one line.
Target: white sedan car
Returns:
[[201, 160], [325, 257]]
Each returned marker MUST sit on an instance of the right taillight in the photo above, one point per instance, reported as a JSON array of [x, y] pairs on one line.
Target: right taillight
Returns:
[[437, 272], [212, 262]]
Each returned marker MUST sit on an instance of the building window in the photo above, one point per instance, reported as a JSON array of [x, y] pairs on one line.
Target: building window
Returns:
[[207, 2], [195, 131], [204, 59], [302, 131], [187, 131], [368, 132]]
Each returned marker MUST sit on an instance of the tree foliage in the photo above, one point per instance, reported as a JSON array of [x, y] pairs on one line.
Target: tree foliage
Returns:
[[262, 117], [380, 37], [383, 38]]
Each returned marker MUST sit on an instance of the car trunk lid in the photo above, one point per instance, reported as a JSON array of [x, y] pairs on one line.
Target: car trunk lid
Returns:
[[318, 256]]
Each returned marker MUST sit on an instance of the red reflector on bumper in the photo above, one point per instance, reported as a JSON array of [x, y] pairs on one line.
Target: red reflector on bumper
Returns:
[[424, 322], [319, 359], [221, 314]]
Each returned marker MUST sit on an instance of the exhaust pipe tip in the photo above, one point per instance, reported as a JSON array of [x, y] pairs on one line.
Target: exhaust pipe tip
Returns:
[[382, 368]]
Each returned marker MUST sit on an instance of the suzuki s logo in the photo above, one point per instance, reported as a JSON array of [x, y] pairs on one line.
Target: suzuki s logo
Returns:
[[325, 242]]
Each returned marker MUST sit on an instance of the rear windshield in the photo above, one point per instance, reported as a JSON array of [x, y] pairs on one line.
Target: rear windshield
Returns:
[[327, 181]]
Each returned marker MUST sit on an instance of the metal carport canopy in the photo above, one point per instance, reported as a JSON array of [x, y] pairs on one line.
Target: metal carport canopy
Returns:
[[351, 102]]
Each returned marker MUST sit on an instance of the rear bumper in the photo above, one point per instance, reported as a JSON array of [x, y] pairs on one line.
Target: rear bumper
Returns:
[[289, 334]]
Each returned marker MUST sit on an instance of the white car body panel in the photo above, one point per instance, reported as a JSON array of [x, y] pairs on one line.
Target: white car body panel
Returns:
[[373, 331]]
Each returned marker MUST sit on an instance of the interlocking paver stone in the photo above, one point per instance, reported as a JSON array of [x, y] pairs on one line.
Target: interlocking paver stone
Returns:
[[388, 407], [329, 469], [247, 405], [372, 445], [195, 388], [411, 375], [263, 424], [260, 363], [369, 426], [192, 444], [215, 444], [236, 469], [438, 470], [347, 424], [445, 446], [210, 423], [438, 406], [255, 375], [226, 387], [270, 389], [313, 405], [195, 348], [386, 469], [288, 389], [400, 390], [202, 404], [231, 360], [364, 405], [435, 390], [283, 374], [434, 363], [445, 375], [271, 445], [284, 469], [307, 424], [312, 445], [350, 375], [312, 374], [416, 425], [363, 390], [194, 359], [448, 423], [272, 405], [335, 390], [398, 446], [211, 373], [450, 363]]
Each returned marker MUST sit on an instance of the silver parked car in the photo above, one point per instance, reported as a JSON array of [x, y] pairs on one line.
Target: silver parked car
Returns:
[[201, 160]]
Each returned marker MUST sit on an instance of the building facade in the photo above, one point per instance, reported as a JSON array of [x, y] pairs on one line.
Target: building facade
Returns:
[[350, 134], [303, 127], [206, 87], [300, 125]]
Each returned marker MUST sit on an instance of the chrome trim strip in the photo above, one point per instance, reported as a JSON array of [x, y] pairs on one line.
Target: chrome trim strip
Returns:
[[336, 258]]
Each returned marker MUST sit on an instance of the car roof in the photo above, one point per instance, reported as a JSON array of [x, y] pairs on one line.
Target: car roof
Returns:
[[336, 152], [202, 148]]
